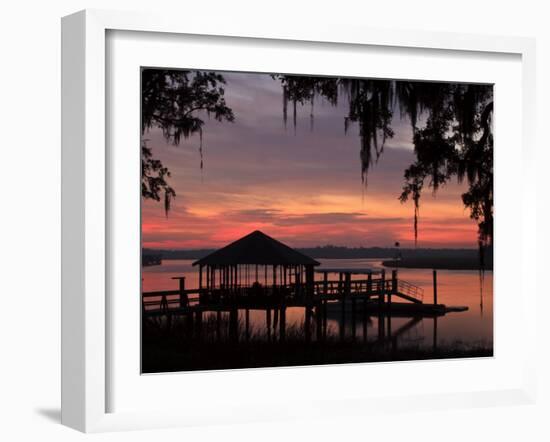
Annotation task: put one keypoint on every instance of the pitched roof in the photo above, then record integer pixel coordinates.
(256, 248)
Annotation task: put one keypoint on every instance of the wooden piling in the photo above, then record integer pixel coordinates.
(247, 324)
(318, 320)
(435, 334)
(268, 323)
(365, 323)
(369, 285)
(393, 286)
(325, 319)
(184, 301)
(347, 285)
(353, 318)
(282, 330)
(307, 323)
(435, 286)
(310, 284)
(234, 324)
(381, 327)
(382, 287)
(275, 319)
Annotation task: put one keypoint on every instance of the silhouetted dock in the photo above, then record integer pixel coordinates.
(260, 273)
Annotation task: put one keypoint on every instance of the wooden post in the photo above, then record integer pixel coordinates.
(369, 285)
(163, 304)
(318, 320)
(365, 324)
(393, 285)
(347, 285)
(325, 283)
(307, 322)
(353, 319)
(282, 330)
(310, 284)
(382, 286)
(247, 324)
(325, 319)
(435, 334)
(234, 324)
(309, 300)
(435, 286)
(268, 323)
(184, 301)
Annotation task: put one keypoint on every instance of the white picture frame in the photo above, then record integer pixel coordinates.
(85, 201)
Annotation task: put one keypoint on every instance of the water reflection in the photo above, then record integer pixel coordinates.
(455, 287)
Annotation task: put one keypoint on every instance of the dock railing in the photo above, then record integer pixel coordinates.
(170, 300)
(411, 290)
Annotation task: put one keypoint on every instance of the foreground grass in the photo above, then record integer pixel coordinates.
(176, 350)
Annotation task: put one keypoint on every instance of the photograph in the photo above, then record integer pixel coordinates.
(262, 221)
(299, 220)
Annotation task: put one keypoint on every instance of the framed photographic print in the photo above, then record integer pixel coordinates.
(290, 243)
(257, 215)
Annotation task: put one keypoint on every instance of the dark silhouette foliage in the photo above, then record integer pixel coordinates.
(175, 101)
(451, 123)
(454, 140)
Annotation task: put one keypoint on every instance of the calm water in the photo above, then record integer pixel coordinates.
(455, 287)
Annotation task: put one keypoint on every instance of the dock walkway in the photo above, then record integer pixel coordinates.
(373, 294)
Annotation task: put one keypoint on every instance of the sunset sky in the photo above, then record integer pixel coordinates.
(302, 187)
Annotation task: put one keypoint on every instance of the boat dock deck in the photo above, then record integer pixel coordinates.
(374, 295)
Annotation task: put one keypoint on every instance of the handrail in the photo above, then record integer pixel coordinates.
(411, 290)
(320, 288)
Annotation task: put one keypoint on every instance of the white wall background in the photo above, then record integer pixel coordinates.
(30, 213)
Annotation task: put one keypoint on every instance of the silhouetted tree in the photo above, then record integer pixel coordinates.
(455, 139)
(174, 101)
(153, 178)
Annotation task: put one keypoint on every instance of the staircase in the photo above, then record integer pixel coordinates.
(410, 292)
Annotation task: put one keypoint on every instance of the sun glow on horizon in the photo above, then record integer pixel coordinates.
(303, 188)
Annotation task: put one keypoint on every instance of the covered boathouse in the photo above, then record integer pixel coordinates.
(256, 266)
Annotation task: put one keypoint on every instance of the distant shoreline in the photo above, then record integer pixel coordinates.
(437, 264)
(444, 259)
